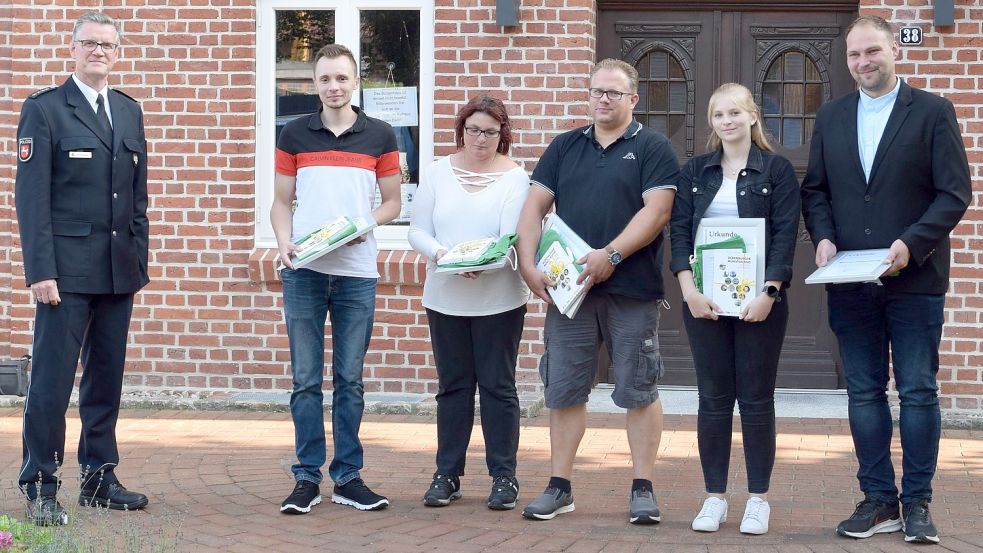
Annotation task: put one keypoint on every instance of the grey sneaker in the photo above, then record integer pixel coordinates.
(642, 508)
(46, 511)
(552, 502)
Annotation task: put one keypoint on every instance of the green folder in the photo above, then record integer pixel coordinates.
(733, 243)
(550, 236)
(492, 254)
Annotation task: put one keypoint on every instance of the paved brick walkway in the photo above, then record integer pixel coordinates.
(220, 476)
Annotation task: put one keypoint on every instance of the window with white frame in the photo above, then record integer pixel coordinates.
(393, 41)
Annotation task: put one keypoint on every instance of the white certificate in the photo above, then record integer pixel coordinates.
(852, 266)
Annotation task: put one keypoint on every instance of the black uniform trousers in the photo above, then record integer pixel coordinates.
(94, 326)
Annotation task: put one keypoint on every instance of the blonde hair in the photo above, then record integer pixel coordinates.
(612, 64)
(744, 100)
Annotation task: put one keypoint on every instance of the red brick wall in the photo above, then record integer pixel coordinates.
(208, 322)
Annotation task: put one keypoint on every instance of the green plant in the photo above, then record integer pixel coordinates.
(95, 530)
(24, 534)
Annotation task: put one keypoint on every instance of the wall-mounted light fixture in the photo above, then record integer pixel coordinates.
(507, 12)
(944, 13)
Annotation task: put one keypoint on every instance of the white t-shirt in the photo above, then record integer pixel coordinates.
(445, 214)
(724, 204)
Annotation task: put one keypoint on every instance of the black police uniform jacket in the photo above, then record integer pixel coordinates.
(81, 194)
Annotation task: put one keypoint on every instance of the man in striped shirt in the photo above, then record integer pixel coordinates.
(331, 162)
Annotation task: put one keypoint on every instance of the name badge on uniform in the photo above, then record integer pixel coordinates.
(80, 154)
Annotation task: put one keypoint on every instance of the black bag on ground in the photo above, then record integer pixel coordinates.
(13, 377)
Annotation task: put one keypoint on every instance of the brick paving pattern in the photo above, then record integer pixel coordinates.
(220, 476)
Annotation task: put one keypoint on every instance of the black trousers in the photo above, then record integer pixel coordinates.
(477, 353)
(94, 326)
(737, 361)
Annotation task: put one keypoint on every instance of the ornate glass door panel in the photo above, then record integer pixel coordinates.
(793, 60)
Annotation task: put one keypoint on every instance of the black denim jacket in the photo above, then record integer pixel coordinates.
(766, 188)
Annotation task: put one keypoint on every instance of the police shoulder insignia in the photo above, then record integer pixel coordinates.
(25, 149)
(43, 91)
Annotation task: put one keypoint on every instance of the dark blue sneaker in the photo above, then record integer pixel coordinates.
(918, 527)
(356, 494)
(306, 495)
(871, 517)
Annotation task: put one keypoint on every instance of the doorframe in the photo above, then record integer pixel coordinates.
(731, 5)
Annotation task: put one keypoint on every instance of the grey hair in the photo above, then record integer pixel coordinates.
(98, 18)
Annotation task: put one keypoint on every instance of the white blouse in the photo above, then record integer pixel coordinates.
(445, 214)
(724, 204)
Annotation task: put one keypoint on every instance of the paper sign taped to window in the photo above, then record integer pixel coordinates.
(396, 106)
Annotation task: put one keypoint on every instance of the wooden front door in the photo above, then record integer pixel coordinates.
(794, 60)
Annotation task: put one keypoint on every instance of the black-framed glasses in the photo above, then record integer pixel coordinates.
(90, 45)
(489, 133)
(613, 95)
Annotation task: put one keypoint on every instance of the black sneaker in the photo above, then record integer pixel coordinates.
(46, 511)
(918, 527)
(871, 517)
(504, 491)
(443, 489)
(306, 494)
(356, 494)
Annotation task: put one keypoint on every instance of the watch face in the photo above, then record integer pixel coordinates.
(615, 258)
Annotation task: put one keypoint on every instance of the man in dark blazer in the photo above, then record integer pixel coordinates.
(81, 200)
(888, 169)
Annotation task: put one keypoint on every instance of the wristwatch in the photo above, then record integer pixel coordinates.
(614, 257)
(771, 291)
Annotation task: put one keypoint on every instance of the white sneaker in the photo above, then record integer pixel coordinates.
(714, 512)
(756, 516)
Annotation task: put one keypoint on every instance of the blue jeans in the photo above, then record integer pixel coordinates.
(308, 297)
(874, 325)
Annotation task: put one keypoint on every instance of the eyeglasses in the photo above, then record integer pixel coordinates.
(613, 95)
(489, 133)
(90, 45)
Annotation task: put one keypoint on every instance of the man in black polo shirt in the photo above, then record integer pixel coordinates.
(613, 183)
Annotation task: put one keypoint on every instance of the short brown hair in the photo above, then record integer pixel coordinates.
(628, 69)
(878, 23)
(332, 51)
(494, 108)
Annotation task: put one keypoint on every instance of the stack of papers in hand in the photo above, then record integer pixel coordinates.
(559, 249)
(330, 237)
(481, 254)
(467, 252)
(729, 260)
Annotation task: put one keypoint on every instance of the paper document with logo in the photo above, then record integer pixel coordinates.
(559, 249)
(330, 237)
(730, 278)
(728, 260)
(483, 254)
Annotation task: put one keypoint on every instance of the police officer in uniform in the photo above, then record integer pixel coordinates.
(81, 199)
